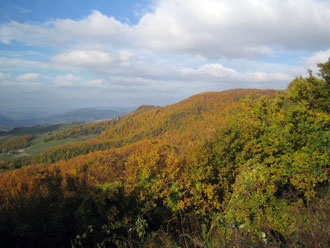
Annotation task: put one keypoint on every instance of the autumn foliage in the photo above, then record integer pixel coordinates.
(15, 143)
(238, 168)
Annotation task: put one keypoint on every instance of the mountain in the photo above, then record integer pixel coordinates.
(5, 121)
(81, 115)
(198, 117)
(238, 168)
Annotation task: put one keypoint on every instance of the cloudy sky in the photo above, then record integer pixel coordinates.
(100, 53)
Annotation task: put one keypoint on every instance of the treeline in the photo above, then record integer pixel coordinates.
(15, 143)
(261, 179)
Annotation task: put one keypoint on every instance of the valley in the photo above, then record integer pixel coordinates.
(242, 167)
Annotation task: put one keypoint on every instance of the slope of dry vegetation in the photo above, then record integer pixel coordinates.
(239, 168)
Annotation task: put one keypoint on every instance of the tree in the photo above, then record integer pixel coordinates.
(325, 71)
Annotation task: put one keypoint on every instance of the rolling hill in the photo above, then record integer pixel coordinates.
(199, 116)
(238, 168)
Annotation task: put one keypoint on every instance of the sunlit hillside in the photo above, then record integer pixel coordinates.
(237, 168)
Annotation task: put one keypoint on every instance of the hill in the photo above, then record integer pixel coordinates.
(81, 115)
(197, 117)
(5, 122)
(238, 168)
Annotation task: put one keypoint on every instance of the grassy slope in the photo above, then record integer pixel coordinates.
(38, 145)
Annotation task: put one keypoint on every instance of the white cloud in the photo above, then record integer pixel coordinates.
(66, 80)
(107, 72)
(83, 58)
(19, 64)
(28, 76)
(68, 77)
(316, 58)
(217, 71)
(235, 28)
(94, 28)
(218, 77)
(212, 28)
(99, 59)
(96, 82)
(120, 83)
(176, 49)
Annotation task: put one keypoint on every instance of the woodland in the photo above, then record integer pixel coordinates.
(237, 168)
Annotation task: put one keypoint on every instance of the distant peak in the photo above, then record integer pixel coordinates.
(146, 107)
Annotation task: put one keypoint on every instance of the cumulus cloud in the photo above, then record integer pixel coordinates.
(98, 60)
(219, 77)
(94, 28)
(176, 49)
(212, 28)
(106, 72)
(316, 58)
(236, 28)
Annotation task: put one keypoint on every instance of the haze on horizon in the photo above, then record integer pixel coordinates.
(72, 54)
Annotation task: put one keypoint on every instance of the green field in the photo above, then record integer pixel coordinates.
(39, 146)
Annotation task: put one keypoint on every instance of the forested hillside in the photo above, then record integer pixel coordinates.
(195, 118)
(238, 168)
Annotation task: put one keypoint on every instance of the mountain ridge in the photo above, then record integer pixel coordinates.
(80, 115)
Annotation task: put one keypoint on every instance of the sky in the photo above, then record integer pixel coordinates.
(68, 54)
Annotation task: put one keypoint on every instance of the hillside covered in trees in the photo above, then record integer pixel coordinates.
(238, 168)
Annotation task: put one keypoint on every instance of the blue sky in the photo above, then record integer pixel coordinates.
(43, 10)
(72, 54)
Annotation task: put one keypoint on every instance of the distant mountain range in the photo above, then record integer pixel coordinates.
(9, 120)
